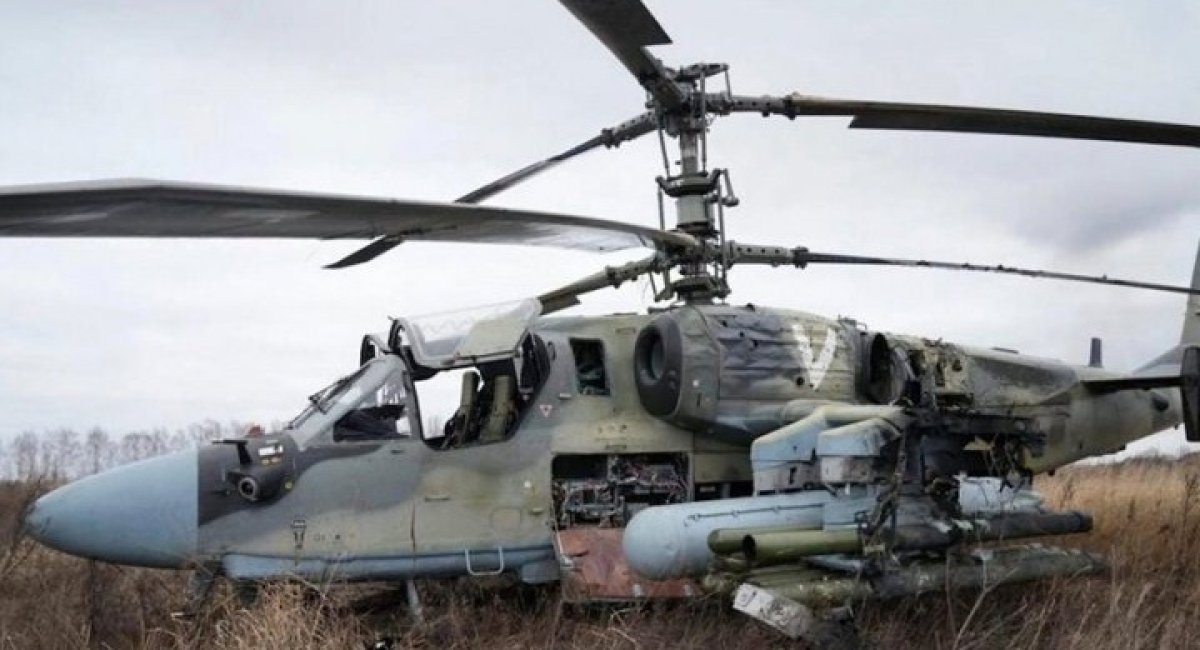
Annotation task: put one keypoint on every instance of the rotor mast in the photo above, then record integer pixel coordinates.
(700, 195)
(680, 107)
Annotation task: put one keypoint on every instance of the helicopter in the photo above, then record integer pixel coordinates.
(584, 448)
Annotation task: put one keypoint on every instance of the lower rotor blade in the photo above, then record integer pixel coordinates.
(963, 119)
(803, 257)
(611, 276)
(166, 209)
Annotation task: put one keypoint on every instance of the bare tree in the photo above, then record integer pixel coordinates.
(100, 450)
(64, 454)
(25, 453)
(66, 451)
(15, 544)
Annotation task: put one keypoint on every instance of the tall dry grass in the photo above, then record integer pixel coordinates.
(1147, 524)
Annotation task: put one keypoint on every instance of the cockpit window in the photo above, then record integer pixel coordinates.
(590, 373)
(381, 413)
(370, 404)
(324, 398)
(320, 401)
(482, 404)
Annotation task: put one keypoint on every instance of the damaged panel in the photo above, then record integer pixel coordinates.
(594, 569)
(780, 356)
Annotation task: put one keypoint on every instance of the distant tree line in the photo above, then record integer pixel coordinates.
(58, 455)
(65, 454)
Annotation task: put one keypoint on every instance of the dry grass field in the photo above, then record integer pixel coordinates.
(1147, 524)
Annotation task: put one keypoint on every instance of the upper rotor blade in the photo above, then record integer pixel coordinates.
(367, 253)
(635, 128)
(626, 27)
(146, 208)
(964, 119)
(802, 257)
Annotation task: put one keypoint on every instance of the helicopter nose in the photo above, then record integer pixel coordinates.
(142, 514)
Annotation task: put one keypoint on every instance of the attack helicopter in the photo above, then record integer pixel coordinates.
(797, 461)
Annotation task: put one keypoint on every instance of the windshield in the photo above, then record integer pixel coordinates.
(370, 404)
(320, 401)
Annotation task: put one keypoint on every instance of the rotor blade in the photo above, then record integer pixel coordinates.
(367, 253)
(611, 276)
(626, 27)
(144, 208)
(629, 130)
(802, 257)
(739, 253)
(637, 127)
(964, 119)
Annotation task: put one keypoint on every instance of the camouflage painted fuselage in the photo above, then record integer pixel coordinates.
(401, 508)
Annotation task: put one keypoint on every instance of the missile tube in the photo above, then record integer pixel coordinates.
(1021, 564)
(779, 546)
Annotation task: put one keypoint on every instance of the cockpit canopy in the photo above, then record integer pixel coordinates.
(372, 403)
(487, 348)
(466, 337)
(476, 370)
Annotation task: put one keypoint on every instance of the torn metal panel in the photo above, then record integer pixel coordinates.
(594, 569)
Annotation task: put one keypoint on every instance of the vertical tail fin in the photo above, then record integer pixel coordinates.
(1191, 319)
(1189, 387)
(1168, 362)
(1179, 366)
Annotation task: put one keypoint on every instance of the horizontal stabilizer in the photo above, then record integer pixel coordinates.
(1187, 380)
(1102, 386)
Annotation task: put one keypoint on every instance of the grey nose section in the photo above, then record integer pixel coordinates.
(142, 514)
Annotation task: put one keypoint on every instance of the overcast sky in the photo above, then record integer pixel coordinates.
(427, 100)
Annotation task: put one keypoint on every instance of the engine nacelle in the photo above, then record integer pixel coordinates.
(738, 372)
(677, 366)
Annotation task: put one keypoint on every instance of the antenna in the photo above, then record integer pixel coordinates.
(1096, 356)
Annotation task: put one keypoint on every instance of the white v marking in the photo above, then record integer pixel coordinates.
(816, 366)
